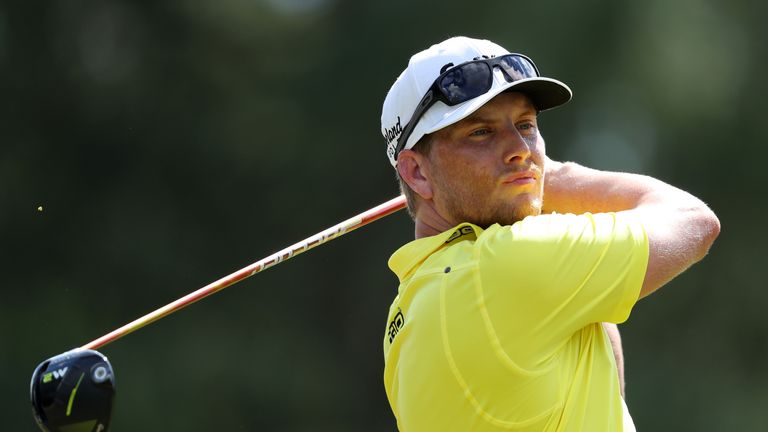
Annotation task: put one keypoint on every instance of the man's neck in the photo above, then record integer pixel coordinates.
(429, 222)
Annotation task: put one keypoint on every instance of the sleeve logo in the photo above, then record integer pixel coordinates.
(395, 325)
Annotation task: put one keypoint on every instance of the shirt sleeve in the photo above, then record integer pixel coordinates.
(558, 273)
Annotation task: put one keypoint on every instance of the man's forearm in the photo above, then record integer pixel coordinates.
(573, 188)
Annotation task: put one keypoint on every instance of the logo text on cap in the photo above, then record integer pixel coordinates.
(391, 134)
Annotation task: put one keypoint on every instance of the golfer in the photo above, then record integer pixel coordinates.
(518, 259)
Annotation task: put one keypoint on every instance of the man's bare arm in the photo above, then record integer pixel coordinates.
(680, 227)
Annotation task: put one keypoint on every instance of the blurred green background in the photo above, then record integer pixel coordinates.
(171, 143)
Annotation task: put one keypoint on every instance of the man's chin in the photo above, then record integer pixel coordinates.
(522, 210)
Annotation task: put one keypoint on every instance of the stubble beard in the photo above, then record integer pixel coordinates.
(466, 206)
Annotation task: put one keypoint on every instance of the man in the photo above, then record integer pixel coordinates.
(518, 259)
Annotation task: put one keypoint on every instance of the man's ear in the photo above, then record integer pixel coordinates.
(414, 170)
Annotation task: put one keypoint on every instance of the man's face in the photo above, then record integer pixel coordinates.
(489, 167)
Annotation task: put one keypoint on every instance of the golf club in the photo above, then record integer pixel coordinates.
(74, 391)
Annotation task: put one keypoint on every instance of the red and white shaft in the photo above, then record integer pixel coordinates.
(331, 233)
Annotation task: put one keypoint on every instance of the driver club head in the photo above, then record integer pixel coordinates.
(73, 392)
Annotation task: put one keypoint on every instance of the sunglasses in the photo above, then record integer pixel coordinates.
(465, 82)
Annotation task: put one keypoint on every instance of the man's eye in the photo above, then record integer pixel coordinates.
(527, 127)
(480, 132)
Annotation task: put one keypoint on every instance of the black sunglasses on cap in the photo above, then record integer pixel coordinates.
(467, 81)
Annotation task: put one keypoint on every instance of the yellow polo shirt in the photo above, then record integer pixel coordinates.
(499, 329)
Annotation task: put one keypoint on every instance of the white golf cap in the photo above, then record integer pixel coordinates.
(422, 71)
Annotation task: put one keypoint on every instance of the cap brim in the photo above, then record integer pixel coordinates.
(545, 93)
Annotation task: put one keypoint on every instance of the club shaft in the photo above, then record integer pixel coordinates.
(331, 233)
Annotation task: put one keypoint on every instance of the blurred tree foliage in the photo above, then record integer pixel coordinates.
(170, 143)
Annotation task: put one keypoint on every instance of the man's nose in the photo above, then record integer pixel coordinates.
(515, 147)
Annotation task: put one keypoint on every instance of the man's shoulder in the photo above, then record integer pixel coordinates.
(556, 233)
(539, 226)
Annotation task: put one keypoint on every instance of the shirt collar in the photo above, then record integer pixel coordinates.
(408, 258)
